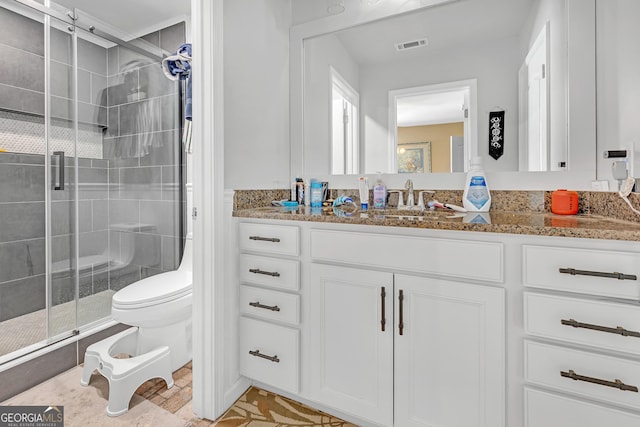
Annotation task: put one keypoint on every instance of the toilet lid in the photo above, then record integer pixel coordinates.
(154, 290)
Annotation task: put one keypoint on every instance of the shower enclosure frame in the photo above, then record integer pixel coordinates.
(50, 182)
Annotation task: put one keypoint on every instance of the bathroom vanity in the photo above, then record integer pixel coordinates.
(404, 320)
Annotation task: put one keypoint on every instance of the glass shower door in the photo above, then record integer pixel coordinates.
(91, 170)
(62, 132)
(37, 181)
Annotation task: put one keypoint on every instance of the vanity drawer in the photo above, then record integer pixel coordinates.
(274, 272)
(595, 271)
(481, 260)
(595, 374)
(270, 305)
(581, 321)
(270, 239)
(269, 353)
(544, 409)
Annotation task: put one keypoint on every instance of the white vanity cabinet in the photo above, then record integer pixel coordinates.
(269, 273)
(400, 326)
(450, 354)
(406, 349)
(351, 340)
(582, 348)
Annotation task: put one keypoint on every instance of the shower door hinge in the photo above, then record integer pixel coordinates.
(194, 213)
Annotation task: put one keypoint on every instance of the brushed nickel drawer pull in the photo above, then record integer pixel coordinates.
(257, 353)
(615, 383)
(265, 239)
(614, 275)
(383, 318)
(266, 273)
(401, 312)
(266, 307)
(619, 330)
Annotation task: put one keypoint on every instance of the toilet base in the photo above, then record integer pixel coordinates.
(125, 375)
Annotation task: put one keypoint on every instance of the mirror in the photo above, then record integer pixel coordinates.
(618, 87)
(378, 62)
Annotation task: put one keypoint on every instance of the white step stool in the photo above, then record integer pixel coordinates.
(125, 375)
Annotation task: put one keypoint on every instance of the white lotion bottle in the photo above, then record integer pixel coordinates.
(476, 197)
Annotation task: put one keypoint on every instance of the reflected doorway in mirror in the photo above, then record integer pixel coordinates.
(535, 153)
(444, 109)
(345, 101)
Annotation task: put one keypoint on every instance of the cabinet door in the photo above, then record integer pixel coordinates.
(450, 355)
(351, 353)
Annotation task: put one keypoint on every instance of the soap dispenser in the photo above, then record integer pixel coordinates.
(476, 197)
(379, 194)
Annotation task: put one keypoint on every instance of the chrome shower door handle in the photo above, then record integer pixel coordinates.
(59, 181)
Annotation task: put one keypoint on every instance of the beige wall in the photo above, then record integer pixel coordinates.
(439, 135)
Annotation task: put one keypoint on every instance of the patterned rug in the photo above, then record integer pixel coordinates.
(260, 408)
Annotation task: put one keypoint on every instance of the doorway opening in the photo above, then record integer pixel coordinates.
(345, 102)
(441, 117)
(533, 87)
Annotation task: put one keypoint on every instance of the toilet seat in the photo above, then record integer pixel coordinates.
(165, 287)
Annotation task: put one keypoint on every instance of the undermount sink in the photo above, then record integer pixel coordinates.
(414, 214)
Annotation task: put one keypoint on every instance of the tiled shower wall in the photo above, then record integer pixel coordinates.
(142, 142)
(22, 242)
(129, 186)
(22, 97)
(22, 232)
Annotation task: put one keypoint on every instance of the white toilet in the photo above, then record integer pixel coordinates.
(159, 310)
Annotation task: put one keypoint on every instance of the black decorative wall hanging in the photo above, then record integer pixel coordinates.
(496, 134)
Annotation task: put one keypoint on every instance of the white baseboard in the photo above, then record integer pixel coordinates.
(234, 392)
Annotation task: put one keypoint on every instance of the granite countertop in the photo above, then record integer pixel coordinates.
(528, 223)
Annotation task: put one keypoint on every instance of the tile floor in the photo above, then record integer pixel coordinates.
(155, 405)
(152, 405)
(28, 329)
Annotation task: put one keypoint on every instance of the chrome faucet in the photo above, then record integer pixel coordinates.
(409, 187)
(421, 198)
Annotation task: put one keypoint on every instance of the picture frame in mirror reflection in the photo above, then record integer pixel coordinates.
(414, 157)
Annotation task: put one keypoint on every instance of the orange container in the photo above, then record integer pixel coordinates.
(564, 202)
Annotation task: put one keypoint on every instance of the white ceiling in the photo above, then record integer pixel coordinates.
(445, 26)
(134, 17)
(427, 109)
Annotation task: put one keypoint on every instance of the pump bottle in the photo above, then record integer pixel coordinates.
(379, 193)
(476, 197)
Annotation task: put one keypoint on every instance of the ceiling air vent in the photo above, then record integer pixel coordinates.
(411, 44)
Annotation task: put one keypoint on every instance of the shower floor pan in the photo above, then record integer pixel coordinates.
(29, 329)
